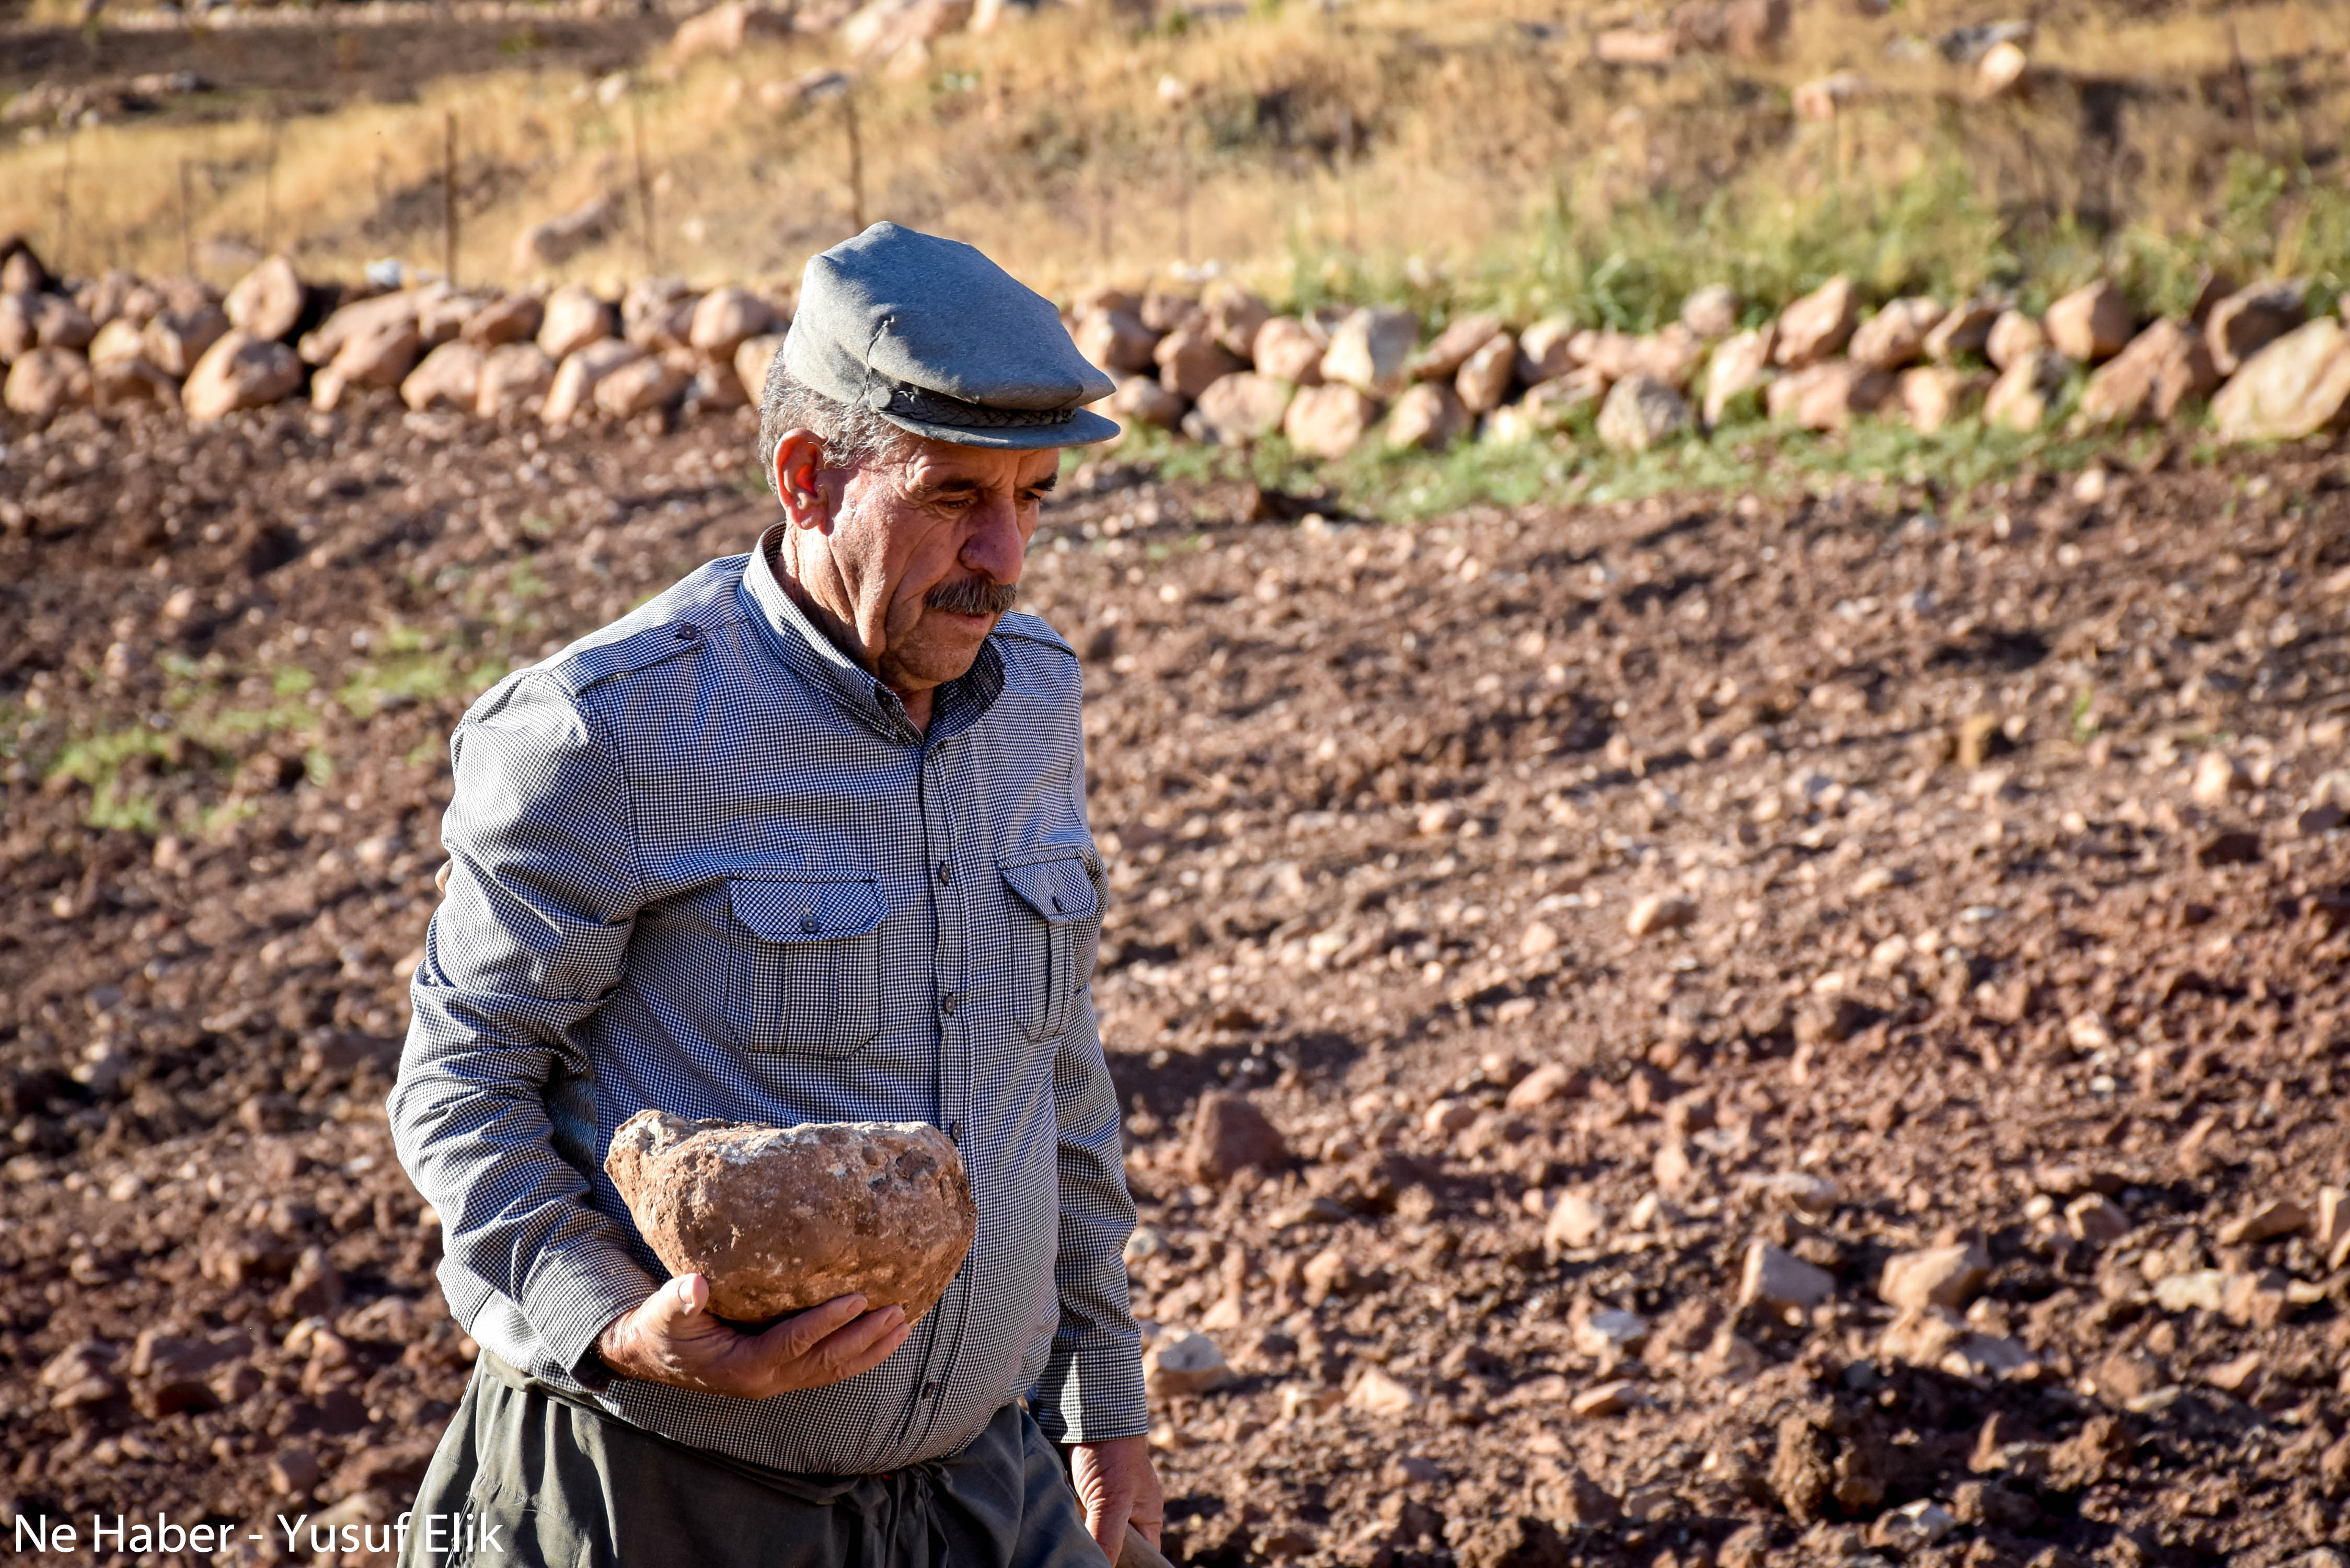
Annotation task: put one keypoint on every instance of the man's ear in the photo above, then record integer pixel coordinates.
(798, 470)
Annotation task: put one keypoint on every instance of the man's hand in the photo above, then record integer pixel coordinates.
(670, 1339)
(1114, 1483)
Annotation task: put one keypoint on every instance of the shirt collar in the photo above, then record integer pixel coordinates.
(955, 707)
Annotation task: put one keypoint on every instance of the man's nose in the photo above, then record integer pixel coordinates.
(994, 547)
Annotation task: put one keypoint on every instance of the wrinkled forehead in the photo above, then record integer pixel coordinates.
(935, 465)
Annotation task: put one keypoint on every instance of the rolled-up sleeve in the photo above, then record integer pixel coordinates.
(1091, 1390)
(543, 888)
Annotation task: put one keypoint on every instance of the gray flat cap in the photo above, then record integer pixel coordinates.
(938, 340)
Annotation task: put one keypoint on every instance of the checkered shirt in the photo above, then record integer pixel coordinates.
(702, 862)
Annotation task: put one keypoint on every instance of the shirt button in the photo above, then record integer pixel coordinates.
(947, 1003)
(946, 873)
(1056, 903)
(808, 923)
(930, 1390)
(954, 1133)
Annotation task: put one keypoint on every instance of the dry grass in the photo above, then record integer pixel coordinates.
(1470, 151)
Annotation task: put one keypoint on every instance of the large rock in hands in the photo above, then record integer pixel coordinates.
(785, 1218)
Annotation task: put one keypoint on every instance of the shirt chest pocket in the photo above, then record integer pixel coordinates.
(804, 963)
(1056, 931)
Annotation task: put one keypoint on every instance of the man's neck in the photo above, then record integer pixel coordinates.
(842, 636)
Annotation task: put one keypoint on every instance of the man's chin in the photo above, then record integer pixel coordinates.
(949, 644)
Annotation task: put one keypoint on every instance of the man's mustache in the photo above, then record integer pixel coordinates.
(973, 595)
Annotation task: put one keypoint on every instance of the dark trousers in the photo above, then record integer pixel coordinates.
(527, 1478)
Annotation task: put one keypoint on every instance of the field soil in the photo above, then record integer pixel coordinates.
(1640, 924)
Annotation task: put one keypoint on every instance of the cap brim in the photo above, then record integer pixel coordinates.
(1082, 429)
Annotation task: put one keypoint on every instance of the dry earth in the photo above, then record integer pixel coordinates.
(1940, 942)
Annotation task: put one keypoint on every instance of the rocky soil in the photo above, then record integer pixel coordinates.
(1796, 1030)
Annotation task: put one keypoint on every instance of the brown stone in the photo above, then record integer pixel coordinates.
(1934, 395)
(1550, 404)
(2013, 336)
(1634, 46)
(1163, 310)
(726, 318)
(1671, 356)
(1550, 1081)
(2278, 1217)
(1740, 363)
(1142, 400)
(176, 1373)
(1641, 412)
(1429, 416)
(1482, 381)
(1934, 1276)
(657, 313)
(2090, 324)
(357, 320)
(450, 374)
(382, 358)
(176, 339)
(117, 340)
(1369, 351)
(2163, 367)
(1817, 325)
(574, 389)
(753, 360)
(509, 318)
(1826, 397)
(2243, 323)
(115, 383)
(785, 1218)
(1450, 348)
(574, 319)
(1571, 1499)
(2018, 400)
(2295, 387)
(1778, 1278)
(1286, 349)
(441, 316)
(1328, 421)
(109, 297)
(723, 29)
(1190, 361)
(1228, 1135)
(1896, 334)
(1117, 341)
(512, 374)
(29, 321)
(1545, 350)
(1234, 315)
(239, 371)
(267, 301)
(651, 381)
(1964, 330)
(1239, 409)
(47, 381)
(712, 387)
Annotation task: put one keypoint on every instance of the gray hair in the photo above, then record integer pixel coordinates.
(852, 437)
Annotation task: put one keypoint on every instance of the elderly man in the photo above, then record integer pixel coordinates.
(802, 839)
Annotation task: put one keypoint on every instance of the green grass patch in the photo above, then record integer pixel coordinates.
(1750, 456)
(1629, 264)
(116, 765)
(424, 675)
